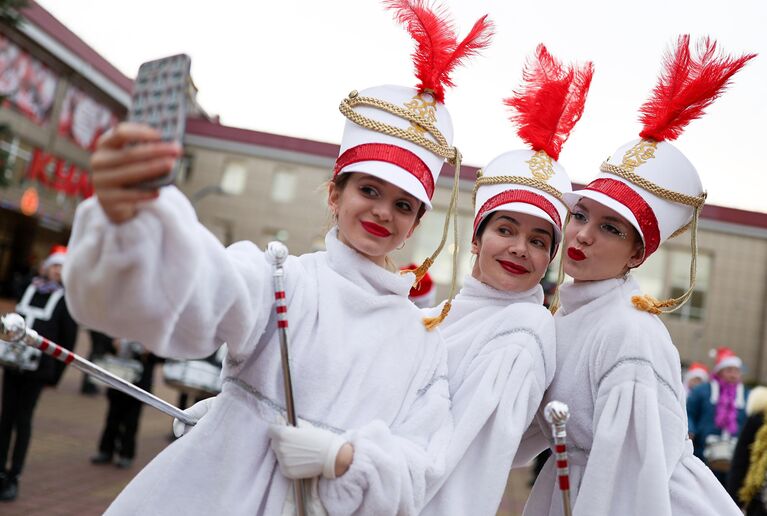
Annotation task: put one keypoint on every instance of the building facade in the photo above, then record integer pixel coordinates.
(250, 185)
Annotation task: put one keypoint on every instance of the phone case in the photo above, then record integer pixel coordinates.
(159, 99)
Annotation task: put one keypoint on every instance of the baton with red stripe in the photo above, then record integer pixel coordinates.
(14, 329)
(276, 254)
(557, 414)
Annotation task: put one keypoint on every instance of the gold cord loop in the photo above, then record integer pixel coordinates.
(441, 148)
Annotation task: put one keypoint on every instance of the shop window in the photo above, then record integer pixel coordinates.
(284, 184)
(235, 177)
(666, 274)
(426, 239)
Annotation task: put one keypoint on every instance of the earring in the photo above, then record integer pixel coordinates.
(401, 246)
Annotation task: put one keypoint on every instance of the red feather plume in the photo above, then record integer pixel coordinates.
(551, 101)
(437, 51)
(687, 86)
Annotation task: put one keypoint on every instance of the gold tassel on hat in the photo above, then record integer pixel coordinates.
(654, 306)
(452, 209)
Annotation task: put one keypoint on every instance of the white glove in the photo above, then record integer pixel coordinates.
(305, 452)
(196, 411)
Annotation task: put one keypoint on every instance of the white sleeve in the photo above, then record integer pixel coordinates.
(164, 280)
(393, 467)
(638, 439)
(493, 405)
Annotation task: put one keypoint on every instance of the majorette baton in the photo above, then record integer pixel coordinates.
(14, 329)
(557, 414)
(276, 254)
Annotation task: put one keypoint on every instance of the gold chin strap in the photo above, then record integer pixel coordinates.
(438, 146)
(646, 302)
(554, 306)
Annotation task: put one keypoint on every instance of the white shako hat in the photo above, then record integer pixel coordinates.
(400, 134)
(400, 162)
(649, 181)
(545, 111)
(404, 135)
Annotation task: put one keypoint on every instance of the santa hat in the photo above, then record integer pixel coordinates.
(57, 256)
(545, 111)
(424, 294)
(649, 181)
(696, 370)
(404, 135)
(725, 357)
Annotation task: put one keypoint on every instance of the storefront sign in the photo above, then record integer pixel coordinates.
(57, 174)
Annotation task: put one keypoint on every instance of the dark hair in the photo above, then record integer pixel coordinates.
(341, 180)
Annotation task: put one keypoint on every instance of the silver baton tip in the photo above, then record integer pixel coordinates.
(276, 252)
(12, 327)
(556, 412)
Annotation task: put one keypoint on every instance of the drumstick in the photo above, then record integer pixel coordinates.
(276, 254)
(557, 414)
(14, 329)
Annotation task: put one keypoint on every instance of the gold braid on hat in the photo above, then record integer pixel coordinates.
(439, 147)
(647, 302)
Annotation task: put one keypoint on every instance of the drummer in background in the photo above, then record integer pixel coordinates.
(45, 311)
(119, 435)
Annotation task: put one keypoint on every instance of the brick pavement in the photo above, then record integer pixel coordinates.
(59, 480)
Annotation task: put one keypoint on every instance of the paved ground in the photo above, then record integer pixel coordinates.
(59, 479)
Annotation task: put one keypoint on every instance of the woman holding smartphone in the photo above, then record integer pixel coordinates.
(369, 379)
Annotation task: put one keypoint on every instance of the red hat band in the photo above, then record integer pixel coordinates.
(525, 196)
(392, 154)
(642, 211)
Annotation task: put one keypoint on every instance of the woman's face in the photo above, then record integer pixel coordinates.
(599, 243)
(374, 217)
(512, 251)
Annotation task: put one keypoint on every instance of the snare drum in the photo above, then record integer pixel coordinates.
(126, 368)
(193, 376)
(719, 451)
(19, 356)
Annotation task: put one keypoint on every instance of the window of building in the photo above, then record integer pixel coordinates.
(234, 178)
(666, 274)
(284, 183)
(427, 237)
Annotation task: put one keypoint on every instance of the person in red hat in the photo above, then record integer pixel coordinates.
(617, 368)
(45, 311)
(424, 294)
(369, 379)
(695, 375)
(716, 411)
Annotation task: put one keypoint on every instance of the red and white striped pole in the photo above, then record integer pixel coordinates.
(557, 414)
(14, 329)
(277, 253)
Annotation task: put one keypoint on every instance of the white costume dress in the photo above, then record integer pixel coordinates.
(619, 373)
(500, 360)
(363, 364)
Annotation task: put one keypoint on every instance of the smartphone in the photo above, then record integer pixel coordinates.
(159, 99)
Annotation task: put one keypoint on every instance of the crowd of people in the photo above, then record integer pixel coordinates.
(408, 410)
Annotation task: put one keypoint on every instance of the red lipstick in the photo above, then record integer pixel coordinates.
(375, 230)
(513, 267)
(575, 254)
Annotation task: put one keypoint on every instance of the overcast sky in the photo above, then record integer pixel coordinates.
(284, 66)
